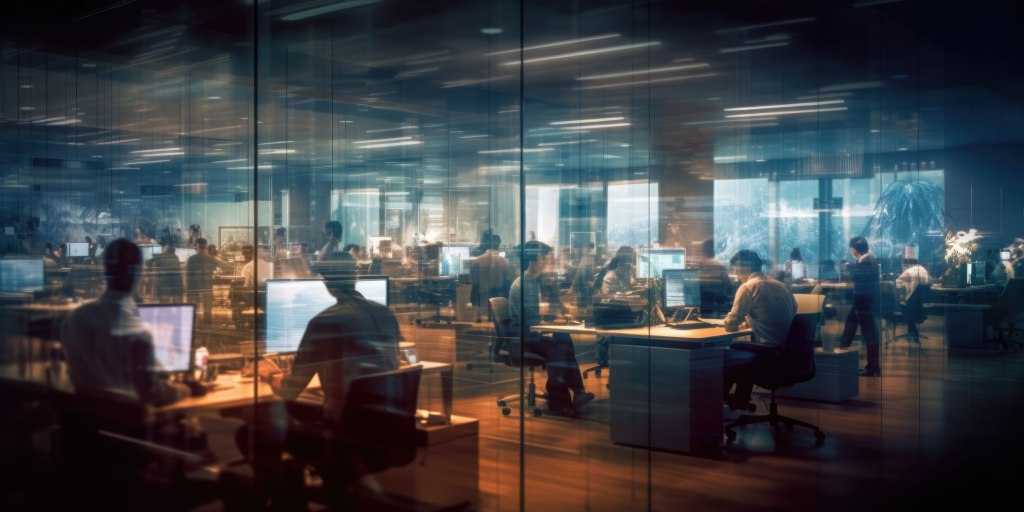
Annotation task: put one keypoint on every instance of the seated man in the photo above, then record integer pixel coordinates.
(908, 282)
(524, 300)
(766, 307)
(108, 349)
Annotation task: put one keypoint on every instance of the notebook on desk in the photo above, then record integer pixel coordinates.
(690, 324)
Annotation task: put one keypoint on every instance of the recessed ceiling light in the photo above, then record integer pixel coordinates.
(491, 31)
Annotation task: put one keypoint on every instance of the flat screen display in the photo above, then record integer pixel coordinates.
(172, 327)
(291, 304)
(184, 253)
(21, 275)
(682, 288)
(452, 259)
(652, 262)
(374, 288)
(1004, 255)
(78, 249)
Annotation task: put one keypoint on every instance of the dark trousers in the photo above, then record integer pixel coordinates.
(865, 319)
(742, 364)
(563, 370)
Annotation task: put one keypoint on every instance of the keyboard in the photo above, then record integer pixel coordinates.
(690, 324)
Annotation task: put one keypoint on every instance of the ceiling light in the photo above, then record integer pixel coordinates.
(789, 112)
(556, 43)
(491, 31)
(582, 121)
(735, 49)
(642, 71)
(584, 53)
(326, 9)
(786, 105)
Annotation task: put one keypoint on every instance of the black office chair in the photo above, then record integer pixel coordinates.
(911, 312)
(796, 365)
(437, 293)
(508, 350)
(1005, 310)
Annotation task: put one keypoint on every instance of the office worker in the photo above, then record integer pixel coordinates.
(332, 249)
(865, 275)
(490, 274)
(199, 271)
(620, 278)
(795, 268)
(524, 299)
(166, 271)
(767, 308)
(92, 249)
(108, 349)
(582, 282)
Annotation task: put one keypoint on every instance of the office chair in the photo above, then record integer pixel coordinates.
(1005, 309)
(910, 312)
(810, 304)
(376, 431)
(437, 292)
(796, 365)
(509, 351)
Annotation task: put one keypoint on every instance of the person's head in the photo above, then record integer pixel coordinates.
(333, 230)
(212, 249)
(795, 254)
(744, 263)
(535, 256)
(708, 248)
(88, 239)
(247, 253)
(49, 247)
(280, 232)
(622, 265)
(202, 245)
(858, 246)
(491, 242)
(122, 262)
(340, 276)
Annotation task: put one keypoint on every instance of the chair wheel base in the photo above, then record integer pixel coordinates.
(506, 411)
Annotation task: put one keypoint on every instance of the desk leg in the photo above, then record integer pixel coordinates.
(447, 381)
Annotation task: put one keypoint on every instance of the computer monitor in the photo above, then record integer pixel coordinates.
(78, 249)
(1004, 255)
(158, 249)
(652, 262)
(21, 275)
(374, 288)
(148, 251)
(682, 288)
(172, 328)
(184, 253)
(373, 245)
(291, 304)
(452, 258)
(798, 270)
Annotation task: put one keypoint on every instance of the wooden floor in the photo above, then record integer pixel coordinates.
(939, 428)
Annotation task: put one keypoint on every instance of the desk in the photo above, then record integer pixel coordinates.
(968, 294)
(963, 325)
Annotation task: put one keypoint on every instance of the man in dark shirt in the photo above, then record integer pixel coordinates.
(865, 275)
(166, 270)
(199, 276)
(490, 274)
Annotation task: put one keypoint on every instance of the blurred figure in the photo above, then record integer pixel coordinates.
(865, 274)
(166, 272)
(583, 282)
(767, 308)
(490, 275)
(795, 268)
(715, 284)
(92, 250)
(51, 257)
(332, 249)
(621, 276)
(353, 250)
(109, 350)
(199, 271)
(280, 243)
(524, 299)
(913, 276)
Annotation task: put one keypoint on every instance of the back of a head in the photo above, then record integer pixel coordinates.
(334, 228)
(708, 248)
(121, 261)
(491, 241)
(534, 251)
(201, 244)
(795, 254)
(860, 244)
(746, 260)
(339, 275)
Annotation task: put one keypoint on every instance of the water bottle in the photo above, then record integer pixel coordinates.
(202, 358)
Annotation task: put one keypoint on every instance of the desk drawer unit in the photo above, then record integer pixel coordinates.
(835, 380)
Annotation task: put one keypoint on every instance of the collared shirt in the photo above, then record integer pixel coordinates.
(110, 351)
(911, 278)
(524, 301)
(613, 284)
(256, 271)
(491, 276)
(767, 307)
(351, 338)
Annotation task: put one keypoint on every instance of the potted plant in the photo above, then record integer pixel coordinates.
(959, 248)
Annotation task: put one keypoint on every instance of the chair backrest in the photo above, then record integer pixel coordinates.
(807, 303)
(915, 303)
(500, 316)
(887, 301)
(380, 419)
(796, 364)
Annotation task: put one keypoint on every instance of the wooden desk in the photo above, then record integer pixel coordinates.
(968, 294)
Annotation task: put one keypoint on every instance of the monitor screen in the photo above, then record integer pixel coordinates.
(798, 269)
(682, 288)
(158, 249)
(78, 249)
(374, 288)
(21, 275)
(1004, 255)
(184, 253)
(171, 326)
(148, 251)
(373, 245)
(291, 304)
(652, 262)
(452, 258)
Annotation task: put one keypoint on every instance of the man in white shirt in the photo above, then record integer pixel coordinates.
(109, 351)
(908, 282)
(767, 307)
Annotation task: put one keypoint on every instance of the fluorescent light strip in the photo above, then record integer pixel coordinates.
(789, 112)
(644, 82)
(556, 43)
(479, 136)
(403, 127)
(514, 150)
(765, 25)
(392, 144)
(120, 141)
(169, 153)
(566, 142)
(584, 53)
(327, 9)
(247, 167)
(463, 83)
(582, 121)
(718, 121)
(735, 49)
(276, 151)
(270, 143)
(592, 126)
(374, 141)
(144, 162)
(64, 122)
(155, 150)
(820, 96)
(230, 161)
(664, 69)
(786, 105)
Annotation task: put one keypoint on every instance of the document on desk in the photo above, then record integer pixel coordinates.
(718, 322)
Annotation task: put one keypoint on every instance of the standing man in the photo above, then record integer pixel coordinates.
(524, 300)
(766, 306)
(866, 275)
(199, 277)
(490, 274)
(167, 275)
